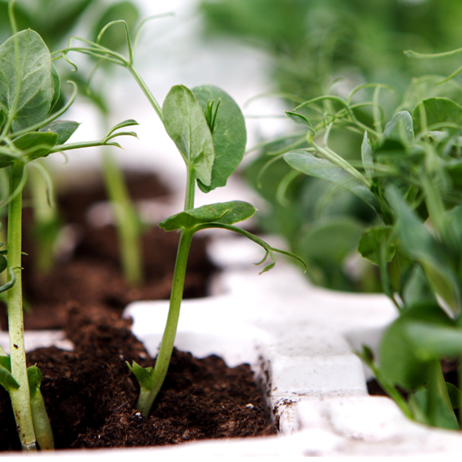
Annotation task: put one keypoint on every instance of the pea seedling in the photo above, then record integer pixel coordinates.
(29, 130)
(409, 175)
(209, 132)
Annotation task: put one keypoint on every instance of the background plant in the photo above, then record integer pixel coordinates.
(54, 21)
(330, 47)
(407, 174)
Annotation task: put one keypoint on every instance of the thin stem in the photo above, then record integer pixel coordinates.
(146, 398)
(190, 189)
(146, 91)
(126, 220)
(20, 398)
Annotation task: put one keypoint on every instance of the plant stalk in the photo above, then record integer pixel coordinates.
(20, 398)
(128, 226)
(147, 397)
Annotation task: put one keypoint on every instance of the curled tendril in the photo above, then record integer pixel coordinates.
(8, 285)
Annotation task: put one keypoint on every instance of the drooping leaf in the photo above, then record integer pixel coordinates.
(437, 111)
(419, 244)
(36, 144)
(186, 125)
(36, 91)
(372, 241)
(7, 381)
(224, 212)
(229, 135)
(63, 128)
(310, 165)
(400, 128)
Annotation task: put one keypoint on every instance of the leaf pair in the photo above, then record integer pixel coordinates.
(211, 156)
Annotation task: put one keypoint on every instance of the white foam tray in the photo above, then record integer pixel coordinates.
(299, 340)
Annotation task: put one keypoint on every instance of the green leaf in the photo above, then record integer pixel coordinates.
(3, 263)
(42, 426)
(308, 164)
(443, 415)
(367, 157)
(299, 119)
(419, 335)
(36, 92)
(63, 128)
(7, 381)
(56, 86)
(241, 211)
(186, 125)
(455, 395)
(437, 111)
(144, 375)
(35, 379)
(416, 241)
(372, 241)
(229, 135)
(224, 212)
(400, 128)
(36, 144)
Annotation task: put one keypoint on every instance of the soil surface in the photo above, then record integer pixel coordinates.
(93, 274)
(90, 393)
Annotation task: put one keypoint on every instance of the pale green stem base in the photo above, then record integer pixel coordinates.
(20, 398)
(147, 397)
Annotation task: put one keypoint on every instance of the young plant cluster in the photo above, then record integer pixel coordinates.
(209, 131)
(30, 129)
(408, 174)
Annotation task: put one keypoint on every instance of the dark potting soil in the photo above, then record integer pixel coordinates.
(93, 275)
(90, 393)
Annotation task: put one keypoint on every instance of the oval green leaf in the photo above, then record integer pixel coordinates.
(229, 135)
(63, 128)
(186, 125)
(223, 212)
(37, 89)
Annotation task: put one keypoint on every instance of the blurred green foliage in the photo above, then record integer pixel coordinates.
(320, 47)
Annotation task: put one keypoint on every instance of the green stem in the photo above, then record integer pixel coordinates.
(46, 224)
(145, 90)
(20, 398)
(147, 397)
(127, 223)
